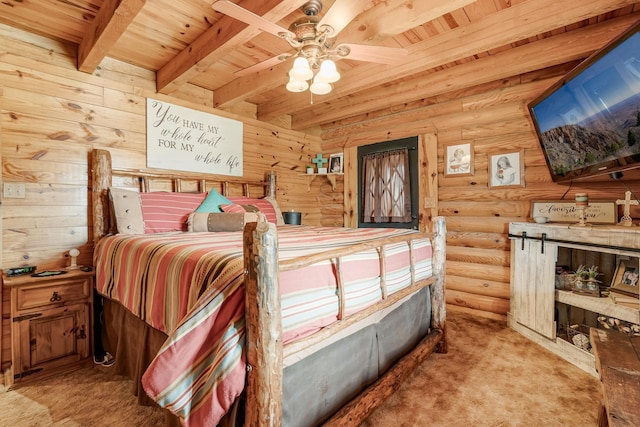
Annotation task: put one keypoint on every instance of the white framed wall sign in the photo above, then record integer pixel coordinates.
(180, 138)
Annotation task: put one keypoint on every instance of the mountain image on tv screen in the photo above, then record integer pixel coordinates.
(592, 121)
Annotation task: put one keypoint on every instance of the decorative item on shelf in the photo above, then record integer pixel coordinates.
(73, 254)
(541, 219)
(625, 220)
(578, 335)
(586, 282)
(320, 162)
(582, 204)
(335, 163)
(627, 328)
(564, 278)
(565, 211)
(625, 285)
(310, 169)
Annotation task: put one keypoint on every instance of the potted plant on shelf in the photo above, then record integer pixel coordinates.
(310, 169)
(586, 280)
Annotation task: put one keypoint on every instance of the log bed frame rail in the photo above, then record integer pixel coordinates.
(265, 351)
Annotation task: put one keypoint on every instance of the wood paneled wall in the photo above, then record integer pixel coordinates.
(53, 115)
(491, 113)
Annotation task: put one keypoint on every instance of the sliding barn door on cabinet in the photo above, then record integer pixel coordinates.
(532, 284)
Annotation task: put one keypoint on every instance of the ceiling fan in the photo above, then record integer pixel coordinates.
(314, 42)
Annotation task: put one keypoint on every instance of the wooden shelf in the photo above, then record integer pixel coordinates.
(330, 176)
(602, 305)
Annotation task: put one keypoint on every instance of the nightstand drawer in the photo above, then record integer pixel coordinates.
(61, 292)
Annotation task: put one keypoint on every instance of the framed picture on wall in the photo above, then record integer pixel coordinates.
(506, 169)
(458, 159)
(625, 279)
(335, 163)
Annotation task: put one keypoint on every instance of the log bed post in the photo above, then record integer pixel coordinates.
(263, 326)
(438, 298)
(100, 184)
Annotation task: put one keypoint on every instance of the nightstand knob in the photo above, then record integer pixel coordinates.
(55, 297)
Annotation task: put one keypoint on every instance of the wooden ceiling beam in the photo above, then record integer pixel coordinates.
(221, 38)
(395, 17)
(405, 14)
(516, 23)
(109, 24)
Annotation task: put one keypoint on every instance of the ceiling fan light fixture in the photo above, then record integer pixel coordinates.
(301, 70)
(297, 85)
(320, 88)
(328, 72)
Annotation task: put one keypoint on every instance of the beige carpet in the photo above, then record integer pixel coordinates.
(491, 376)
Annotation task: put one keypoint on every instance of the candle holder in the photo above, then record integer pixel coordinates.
(582, 204)
(582, 214)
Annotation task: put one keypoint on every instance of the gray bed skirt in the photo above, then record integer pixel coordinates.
(320, 384)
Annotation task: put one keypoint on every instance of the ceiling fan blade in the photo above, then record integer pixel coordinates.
(263, 65)
(380, 54)
(248, 17)
(342, 12)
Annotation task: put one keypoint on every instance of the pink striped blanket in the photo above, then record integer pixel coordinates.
(190, 286)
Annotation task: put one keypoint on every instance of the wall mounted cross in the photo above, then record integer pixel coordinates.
(627, 202)
(319, 161)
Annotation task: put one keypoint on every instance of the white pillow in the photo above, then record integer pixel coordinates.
(127, 211)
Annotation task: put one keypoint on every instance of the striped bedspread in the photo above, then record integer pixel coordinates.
(190, 286)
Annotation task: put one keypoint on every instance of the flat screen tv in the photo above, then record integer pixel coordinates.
(588, 123)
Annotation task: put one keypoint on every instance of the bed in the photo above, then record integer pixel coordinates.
(262, 323)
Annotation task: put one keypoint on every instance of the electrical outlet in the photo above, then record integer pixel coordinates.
(14, 190)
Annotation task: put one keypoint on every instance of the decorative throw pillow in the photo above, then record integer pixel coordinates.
(219, 221)
(127, 211)
(236, 208)
(166, 211)
(212, 202)
(268, 206)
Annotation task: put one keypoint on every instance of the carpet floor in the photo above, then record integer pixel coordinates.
(491, 376)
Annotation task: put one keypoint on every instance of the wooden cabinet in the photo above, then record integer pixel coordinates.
(535, 303)
(50, 323)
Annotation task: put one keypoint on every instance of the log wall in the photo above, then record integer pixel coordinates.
(485, 105)
(53, 115)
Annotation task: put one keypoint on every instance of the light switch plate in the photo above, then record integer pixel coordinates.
(14, 190)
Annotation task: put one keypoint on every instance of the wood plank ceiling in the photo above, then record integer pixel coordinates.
(186, 41)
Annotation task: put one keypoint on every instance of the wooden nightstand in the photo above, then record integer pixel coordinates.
(50, 323)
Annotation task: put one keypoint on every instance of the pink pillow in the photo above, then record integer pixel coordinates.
(266, 206)
(166, 211)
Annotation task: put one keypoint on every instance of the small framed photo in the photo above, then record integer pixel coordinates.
(506, 169)
(458, 159)
(625, 279)
(336, 163)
